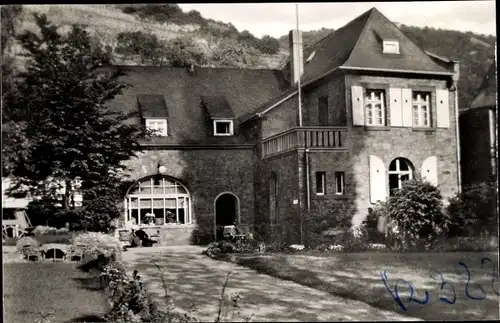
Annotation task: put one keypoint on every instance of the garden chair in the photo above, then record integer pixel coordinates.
(76, 253)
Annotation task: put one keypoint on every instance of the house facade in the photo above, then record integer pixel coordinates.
(246, 146)
(478, 134)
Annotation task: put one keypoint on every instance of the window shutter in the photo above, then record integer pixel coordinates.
(407, 107)
(429, 170)
(377, 179)
(358, 111)
(396, 107)
(442, 108)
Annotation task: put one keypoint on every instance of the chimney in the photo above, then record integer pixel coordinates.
(296, 55)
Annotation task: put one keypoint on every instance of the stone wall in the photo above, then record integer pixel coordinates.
(389, 143)
(475, 143)
(206, 174)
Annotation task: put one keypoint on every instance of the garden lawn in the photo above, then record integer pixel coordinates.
(357, 276)
(32, 290)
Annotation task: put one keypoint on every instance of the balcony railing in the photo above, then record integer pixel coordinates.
(304, 137)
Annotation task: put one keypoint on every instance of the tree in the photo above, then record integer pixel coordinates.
(182, 52)
(145, 45)
(8, 17)
(269, 45)
(59, 129)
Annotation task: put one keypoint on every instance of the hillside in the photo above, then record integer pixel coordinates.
(178, 38)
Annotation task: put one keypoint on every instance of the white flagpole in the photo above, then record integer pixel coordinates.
(300, 63)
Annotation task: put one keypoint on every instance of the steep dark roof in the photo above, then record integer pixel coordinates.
(367, 53)
(217, 106)
(152, 106)
(358, 45)
(243, 89)
(487, 93)
(334, 49)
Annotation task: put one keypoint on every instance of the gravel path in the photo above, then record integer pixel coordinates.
(195, 283)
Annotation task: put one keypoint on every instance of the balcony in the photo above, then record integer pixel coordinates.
(324, 138)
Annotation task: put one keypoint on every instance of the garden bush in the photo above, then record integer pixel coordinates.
(97, 243)
(26, 241)
(97, 216)
(474, 211)
(417, 211)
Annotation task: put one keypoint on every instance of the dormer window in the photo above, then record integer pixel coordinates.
(159, 126)
(219, 111)
(154, 113)
(391, 47)
(223, 128)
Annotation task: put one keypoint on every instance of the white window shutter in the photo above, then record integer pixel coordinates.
(396, 107)
(443, 108)
(429, 170)
(358, 111)
(406, 107)
(377, 179)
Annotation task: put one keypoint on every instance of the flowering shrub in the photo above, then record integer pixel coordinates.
(377, 246)
(130, 302)
(336, 247)
(417, 209)
(43, 229)
(296, 247)
(27, 241)
(96, 243)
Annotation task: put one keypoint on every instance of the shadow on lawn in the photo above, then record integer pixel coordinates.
(195, 279)
(90, 283)
(362, 282)
(87, 318)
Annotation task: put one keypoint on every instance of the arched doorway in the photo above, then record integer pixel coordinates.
(400, 170)
(273, 199)
(227, 209)
(158, 199)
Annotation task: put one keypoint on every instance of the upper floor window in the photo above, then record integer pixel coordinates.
(158, 125)
(223, 128)
(374, 108)
(421, 109)
(391, 47)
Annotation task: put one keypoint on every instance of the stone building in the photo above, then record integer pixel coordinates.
(235, 145)
(478, 134)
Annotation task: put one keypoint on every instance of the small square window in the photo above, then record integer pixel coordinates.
(320, 183)
(158, 125)
(339, 183)
(391, 47)
(223, 127)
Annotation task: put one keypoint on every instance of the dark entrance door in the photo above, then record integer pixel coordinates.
(226, 210)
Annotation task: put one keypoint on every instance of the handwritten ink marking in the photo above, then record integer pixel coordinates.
(395, 295)
(461, 263)
(444, 283)
(494, 274)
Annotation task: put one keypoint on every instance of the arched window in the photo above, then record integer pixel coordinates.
(400, 170)
(158, 199)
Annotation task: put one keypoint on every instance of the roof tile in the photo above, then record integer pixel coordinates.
(243, 89)
(217, 106)
(152, 106)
